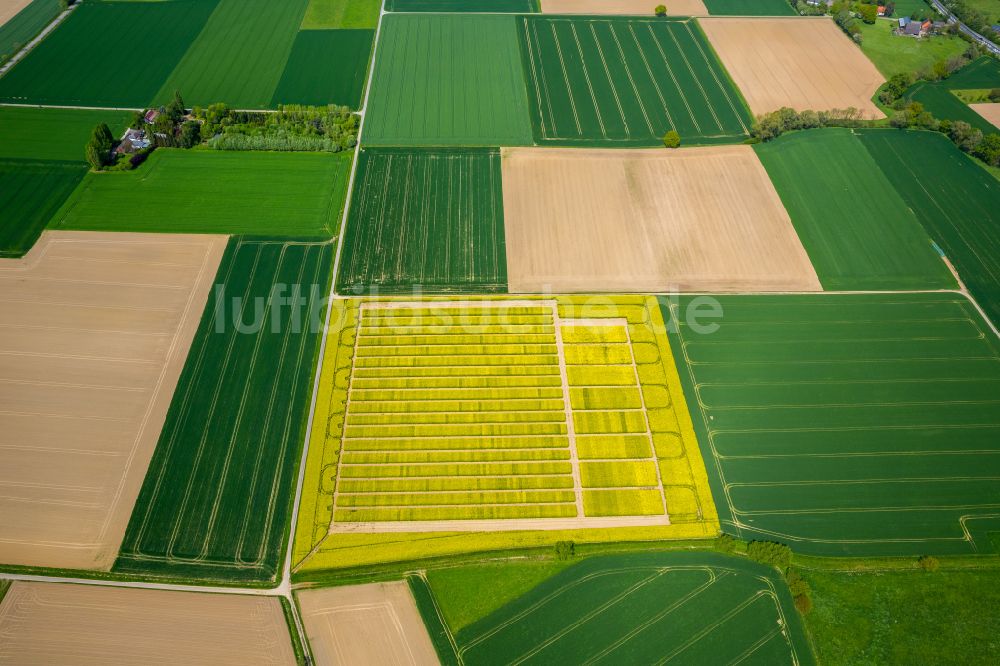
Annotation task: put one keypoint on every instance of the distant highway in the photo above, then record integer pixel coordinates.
(982, 41)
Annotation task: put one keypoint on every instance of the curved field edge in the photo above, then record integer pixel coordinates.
(315, 550)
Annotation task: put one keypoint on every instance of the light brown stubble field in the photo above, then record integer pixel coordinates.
(376, 623)
(10, 8)
(54, 623)
(694, 219)
(95, 333)
(991, 112)
(623, 7)
(802, 63)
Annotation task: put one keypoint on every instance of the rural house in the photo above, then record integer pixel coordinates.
(133, 140)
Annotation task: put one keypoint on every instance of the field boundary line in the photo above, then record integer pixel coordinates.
(30, 46)
(574, 458)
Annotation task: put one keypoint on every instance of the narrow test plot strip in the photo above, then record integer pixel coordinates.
(850, 424)
(626, 82)
(216, 500)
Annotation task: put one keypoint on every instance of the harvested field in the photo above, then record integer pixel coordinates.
(96, 329)
(991, 112)
(859, 232)
(71, 67)
(654, 220)
(691, 608)
(956, 200)
(344, 55)
(30, 192)
(802, 63)
(448, 80)
(485, 415)
(622, 7)
(425, 219)
(240, 55)
(216, 501)
(53, 623)
(10, 8)
(214, 191)
(21, 28)
(52, 134)
(626, 82)
(365, 624)
(860, 425)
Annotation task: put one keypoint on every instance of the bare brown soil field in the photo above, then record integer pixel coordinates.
(9, 8)
(991, 112)
(95, 332)
(699, 219)
(53, 623)
(623, 7)
(803, 63)
(365, 624)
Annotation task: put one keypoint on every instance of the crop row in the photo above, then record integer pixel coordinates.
(456, 442)
(619, 474)
(457, 429)
(612, 446)
(593, 334)
(612, 375)
(605, 398)
(457, 362)
(599, 354)
(407, 410)
(480, 512)
(526, 392)
(402, 350)
(458, 320)
(609, 422)
(414, 385)
(432, 484)
(470, 371)
(457, 337)
(455, 469)
(467, 455)
(455, 418)
(634, 502)
(456, 498)
(431, 310)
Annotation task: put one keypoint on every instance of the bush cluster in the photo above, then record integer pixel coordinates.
(565, 550)
(98, 149)
(292, 128)
(777, 555)
(772, 125)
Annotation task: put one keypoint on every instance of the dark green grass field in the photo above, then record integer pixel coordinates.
(216, 499)
(240, 56)
(749, 8)
(326, 67)
(905, 617)
(25, 25)
(956, 200)
(448, 80)
(625, 82)
(52, 134)
(427, 218)
(858, 231)
(685, 608)
(82, 63)
(849, 424)
(940, 101)
(30, 192)
(511, 6)
(206, 191)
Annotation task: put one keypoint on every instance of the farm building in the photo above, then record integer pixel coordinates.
(131, 141)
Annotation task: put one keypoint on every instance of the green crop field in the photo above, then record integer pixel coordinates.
(897, 54)
(850, 424)
(204, 191)
(627, 81)
(326, 67)
(432, 218)
(858, 231)
(338, 14)
(448, 80)
(216, 500)
(81, 63)
(27, 23)
(52, 134)
(938, 98)
(240, 56)
(496, 409)
(30, 192)
(510, 6)
(957, 201)
(749, 8)
(685, 608)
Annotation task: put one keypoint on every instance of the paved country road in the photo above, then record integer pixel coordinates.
(982, 41)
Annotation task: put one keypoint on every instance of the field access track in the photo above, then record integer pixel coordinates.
(850, 424)
(95, 331)
(427, 219)
(651, 608)
(626, 81)
(218, 494)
